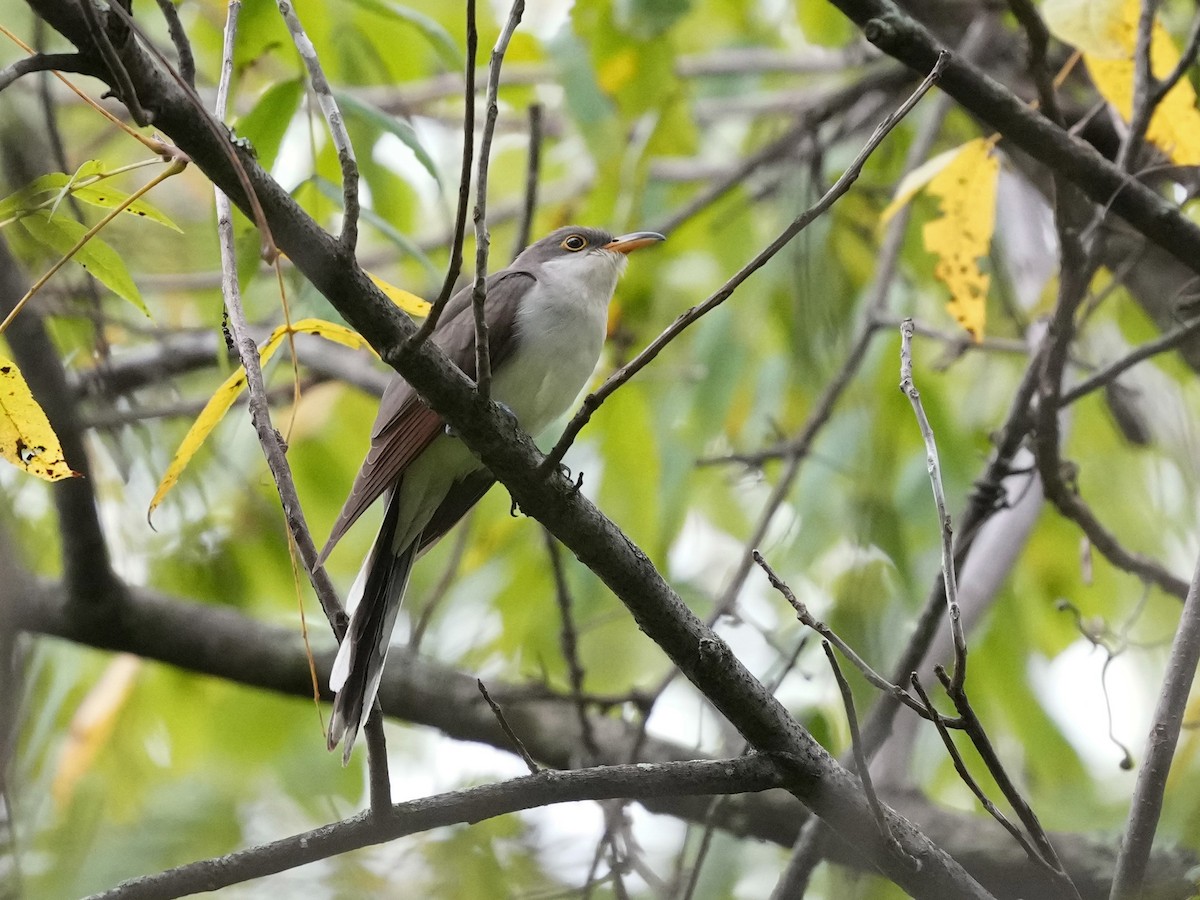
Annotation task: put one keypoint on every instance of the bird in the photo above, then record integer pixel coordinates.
(547, 316)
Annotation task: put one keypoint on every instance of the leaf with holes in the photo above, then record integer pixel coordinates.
(963, 232)
(89, 185)
(26, 438)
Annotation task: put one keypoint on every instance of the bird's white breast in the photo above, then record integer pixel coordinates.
(559, 330)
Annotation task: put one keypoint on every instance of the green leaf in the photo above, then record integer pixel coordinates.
(266, 124)
(373, 115)
(60, 234)
(89, 185)
(107, 198)
(30, 195)
(445, 45)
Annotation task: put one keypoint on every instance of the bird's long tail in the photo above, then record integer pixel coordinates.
(374, 601)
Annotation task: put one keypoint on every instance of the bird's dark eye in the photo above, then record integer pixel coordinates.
(574, 242)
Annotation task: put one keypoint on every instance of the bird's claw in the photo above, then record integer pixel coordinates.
(577, 480)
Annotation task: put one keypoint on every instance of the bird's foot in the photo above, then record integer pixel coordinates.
(577, 479)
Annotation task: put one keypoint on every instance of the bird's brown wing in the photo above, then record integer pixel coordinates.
(405, 426)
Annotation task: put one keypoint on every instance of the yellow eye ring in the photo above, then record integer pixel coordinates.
(574, 243)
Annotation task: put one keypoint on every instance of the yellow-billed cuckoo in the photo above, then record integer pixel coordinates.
(546, 316)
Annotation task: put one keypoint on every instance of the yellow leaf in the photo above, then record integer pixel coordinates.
(410, 303)
(93, 724)
(912, 183)
(967, 188)
(26, 438)
(1106, 32)
(331, 331)
(231, 388)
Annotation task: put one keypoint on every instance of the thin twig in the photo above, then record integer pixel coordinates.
(112, 60)
(799, 447)
(464, 188)
(335, 122)
(433, 598)
(1039, 38)
(379, 781)
(183, 47)
(1145, 807)
(507, 729)
(835, 192)
(949, 578)
(1186, 60)
(44, 62)
(569, 639)
(965, 776)
(1161, 344)
(790, 144)
(1144, 88)
(483, 358)
(860, 758)
(976, 733)
(532, 177)
(806, 618)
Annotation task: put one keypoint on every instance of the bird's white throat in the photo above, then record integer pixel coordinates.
(559, 330)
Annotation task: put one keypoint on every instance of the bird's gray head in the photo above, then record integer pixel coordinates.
(573, 244)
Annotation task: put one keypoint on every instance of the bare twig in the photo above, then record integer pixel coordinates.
(1146, 805)
(44, 62)
(1144, 88)
(835, 192)
(1186, 60)
(532, 176)
(1108, 374)
(379, 781)
(512, 735)
(112, 60)
(965, 776)
(433, 599)
(808, 848)
(949, 579)
(483, 358)
(860, 758)
(335, 122)
(829, 635)
(183, 47)
(1039, 38)
(464, 187)
(569, 640)
(975, 731)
